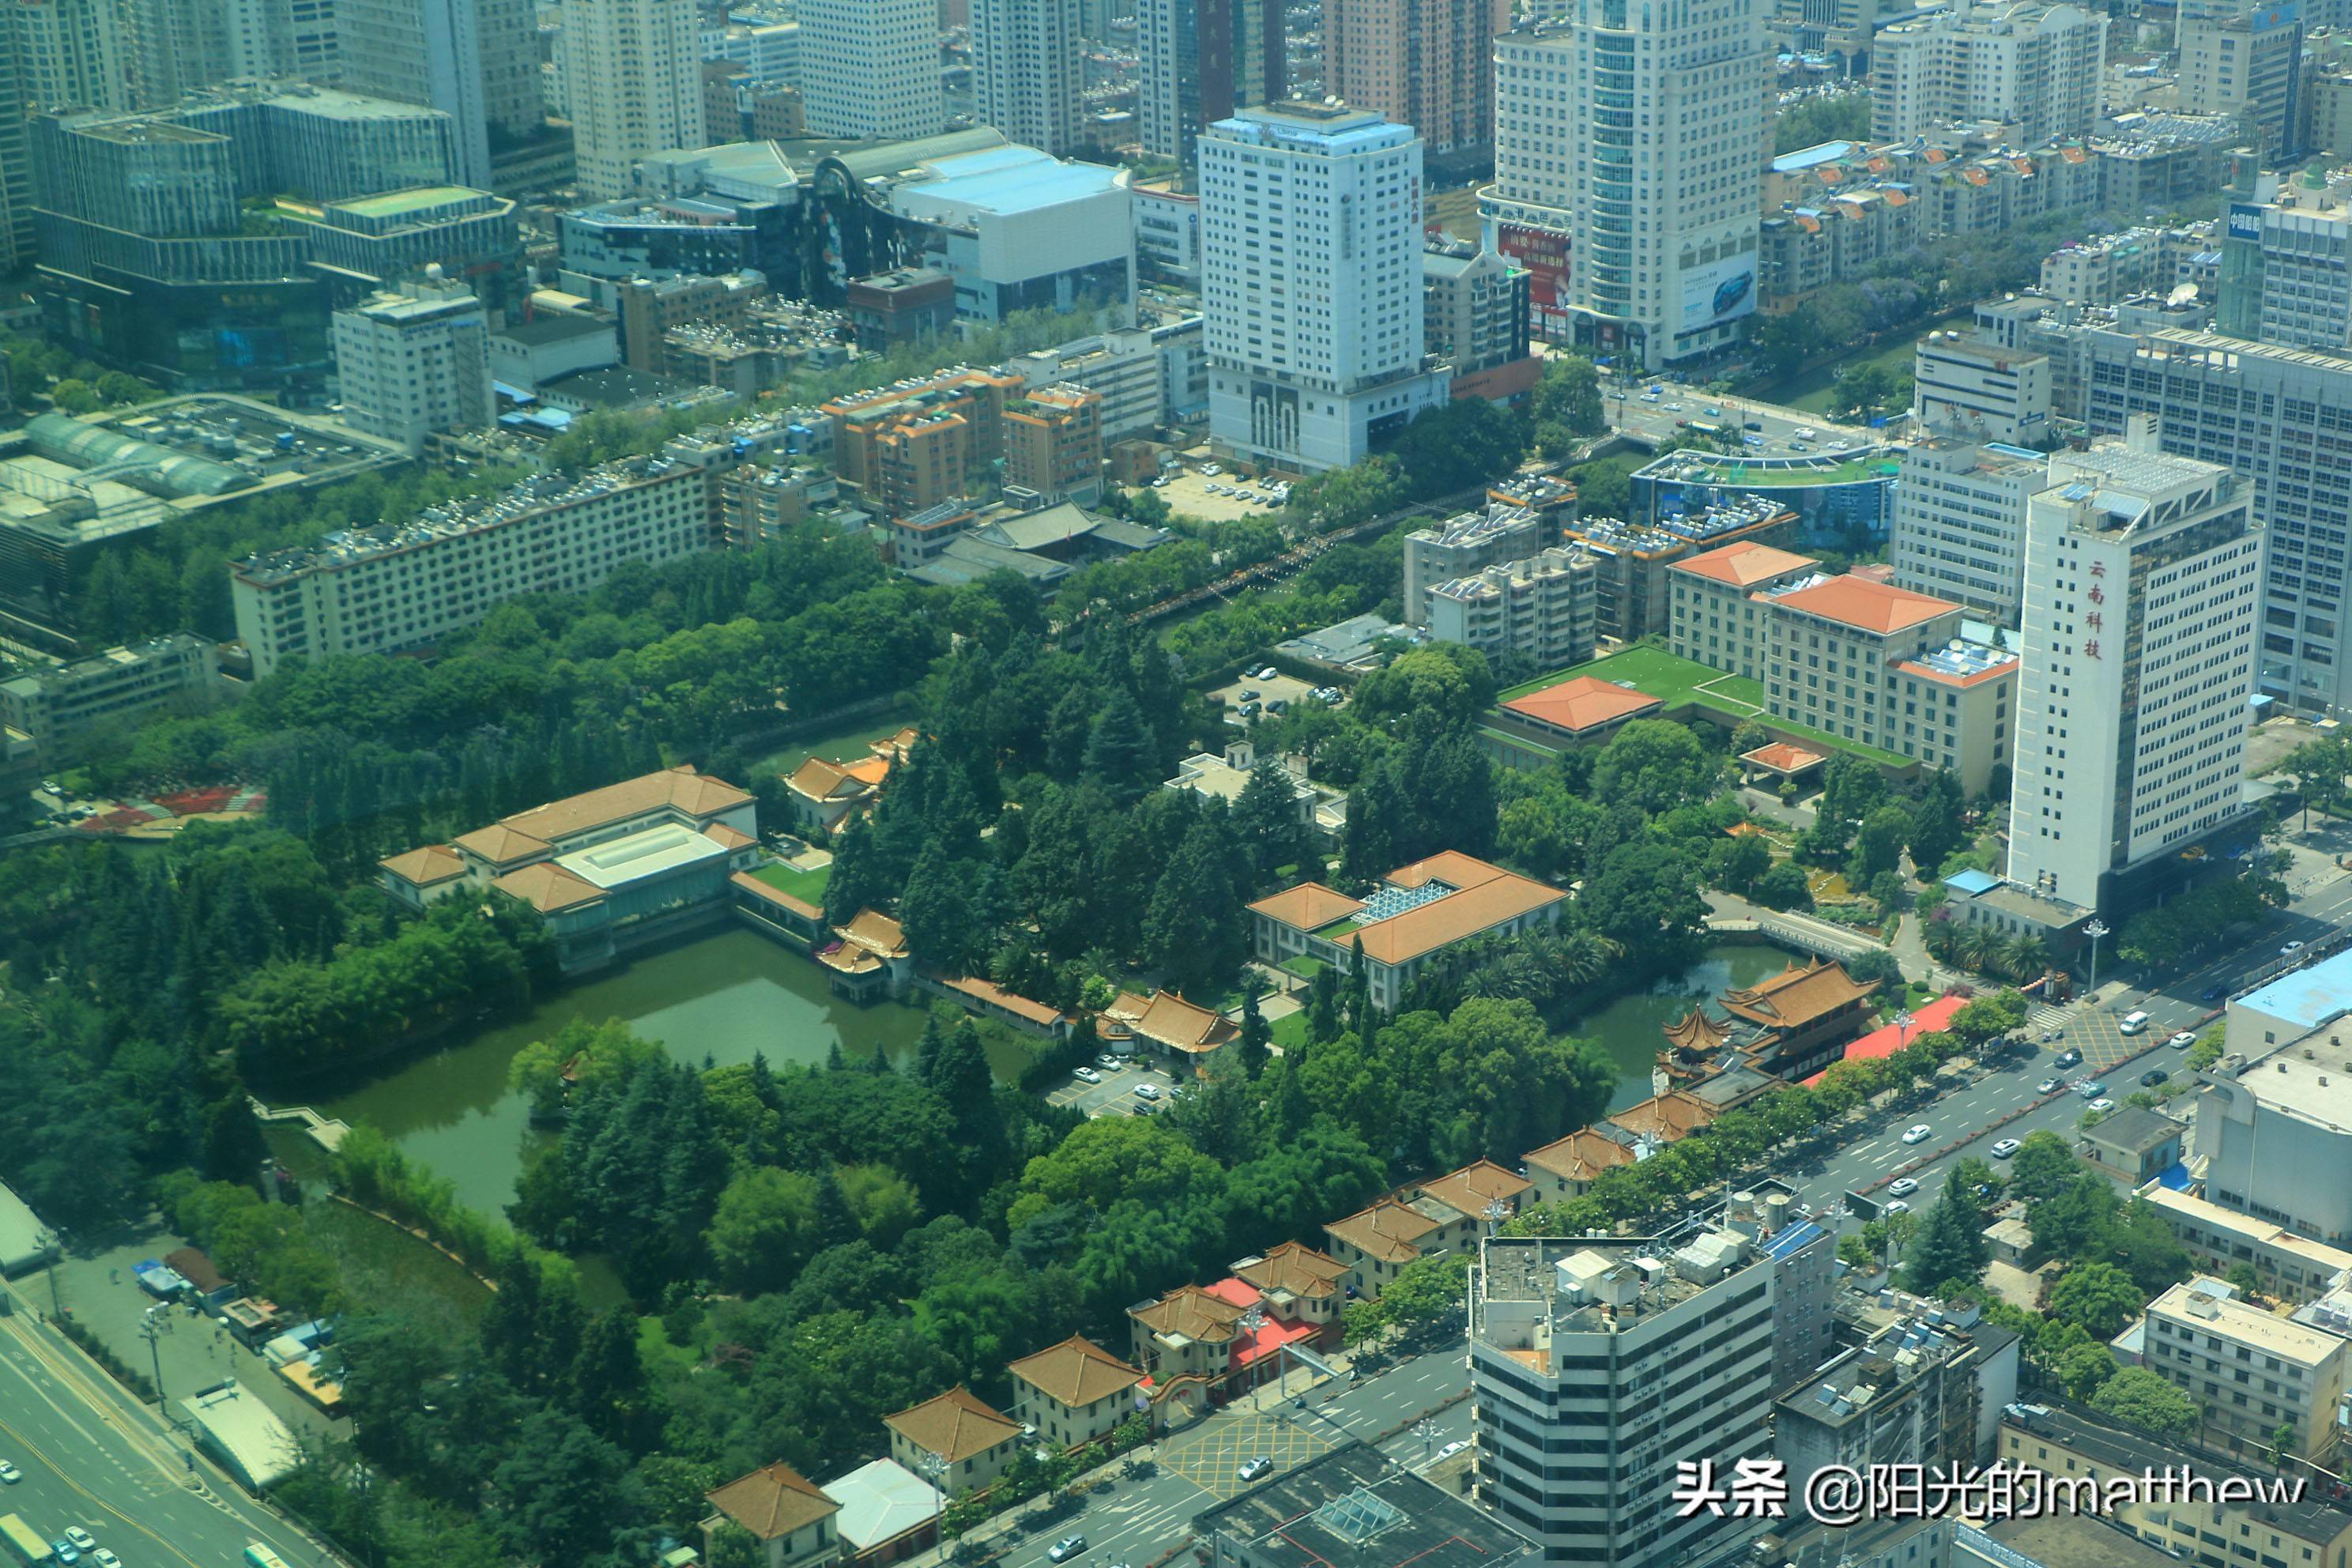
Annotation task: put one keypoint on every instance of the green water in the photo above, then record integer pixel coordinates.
(723, 997)
(1631, 1026)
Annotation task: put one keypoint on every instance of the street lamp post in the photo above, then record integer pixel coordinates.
(2094, 931)
(56, 1239)
(153, 1334)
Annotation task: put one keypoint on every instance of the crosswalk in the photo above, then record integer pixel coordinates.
(2044, 1015)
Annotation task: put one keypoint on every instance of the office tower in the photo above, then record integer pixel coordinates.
(636, 86)
(871, 67)
(2274, 416)
(1428, 64)
(1965, 387)
(447, 54)
(415, 361)
(1311, 225)
(1598, 1364)
(2287, 286)
(2031, 65)
(1202, 62)
(70, 53)
(2143, 592)
(1025, 71)
(1959, 530)
(17, 190)
(2249, 65)
(173, 47)
(1663, 227)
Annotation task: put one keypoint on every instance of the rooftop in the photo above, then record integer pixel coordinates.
(2135, 1128)
(2315, 1087)
(2316, 994)
(1743, 563)
(1076, 1372)
(1352, 1508)
(1594, 1285)
(2200, 1303)
(2122, 1449)
(1858, 602)
(880, 1501)
(1963, 663)
(1001, 181)
(653, 851)
(1581, 703)
(774, 1501)
(2260, 1232)
(399, 203)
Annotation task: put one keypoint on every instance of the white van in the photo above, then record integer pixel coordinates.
(2134, 1023)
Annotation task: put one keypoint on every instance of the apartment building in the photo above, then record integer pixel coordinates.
(416, 581)
(65, 707)
(1468, 543)
(1428, 64)
(1958, 531)
(1921, 1391)
(2247, 64)
(911, 448)
(1541, 608)
(2293, 1267)
(2033, 67)
(1148, 376)
(1026, 63)
(871, 68)
(1662, 223)
(635, 75)
(1634, 597)
(1054, 443)
(1719, 613)
(2143, 576)
(415, 362)
(1311, 283)
(1599, 1364)
(1475, 305)
(2251, 1371)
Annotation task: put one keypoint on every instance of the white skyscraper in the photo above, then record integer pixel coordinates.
(2037, 67)
(1959, 530)
(635, 82)
(415, 362)
(2143, 604)
(1633, 129)
(70, 53)
(1026, 71)
(1311, 241)
(871, 67)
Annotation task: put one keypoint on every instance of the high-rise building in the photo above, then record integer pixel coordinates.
(2273, 415)
(636, 86)
(449, 54)
(2143, 599)
(2291, 287)
(17, 190)
(1662, 222)
(1958, 531)
(1475, 315)
(2036, 67)
(70, 52)
(1202, 62)
(173, 47)
(1311, 227)
(415, 362)
(1428, 64)
(2249, 65)
(1599, 1364)
(1053, 442)
(871, 67)
(1964, 386)
(1026, 71)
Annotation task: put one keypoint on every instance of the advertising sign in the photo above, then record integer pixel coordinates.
(2246, 222)
(1542, 255)
(1721, 291)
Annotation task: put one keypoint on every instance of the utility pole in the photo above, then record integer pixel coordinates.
(153, 1334)
(57, 1248)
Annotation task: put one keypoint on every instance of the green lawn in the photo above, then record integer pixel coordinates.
(806, 886)
(1304, 966)
(1339, 927)
(1675, 682)
(1289, 1031)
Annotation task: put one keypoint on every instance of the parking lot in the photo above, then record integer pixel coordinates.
(1190, 493)
(1248, 688)
(1115, 1095)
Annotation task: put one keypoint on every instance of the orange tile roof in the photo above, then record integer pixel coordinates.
(801, 906)
(1450, 867)
(956, 1425)
(875, 932)
(1076, 1372)
(1744, 564)
(821, 780)
(1878, 607)
(501, 845)
(773, 1502)
(1296, 1268)
(424, 867)
(728, 837)
(1442, 921)
(1310, 906)
(1583, 702)
(1795, 996)
(1388, 1231)
(990, 991)
(1783, 757)
(1945, 676)
(869, 771)
(1170, 1020)
(1581, 1156)
(1193, 1313)
(1471, 1189)
(1695, 1032)
(694, 793)
(548, 887)
(1666, 1117)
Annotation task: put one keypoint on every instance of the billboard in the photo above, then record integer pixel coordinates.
(1542, 255)
(2246, 222)
(1719, 291)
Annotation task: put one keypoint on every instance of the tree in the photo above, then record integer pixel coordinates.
(2242, 1275)
(2142, 1398)
(1265, 819)
(1427, 1293)
(1645, 898)
(1949, 1250)
(565, 1495)
(1878, 845)
(1361, 1321)
(1256, 1034)
(2099, 1297)
(1784, 887)
(1938, 821)
(765, 1227)
(1655, 764)
(1736, 865)
(2041, 1166)
(941, 912)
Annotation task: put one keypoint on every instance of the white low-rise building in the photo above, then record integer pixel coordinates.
(415, 362)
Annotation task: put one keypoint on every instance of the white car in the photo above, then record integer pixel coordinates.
(1146, 1091)
(2290, 950)
(1903, 1186)
(1069, 1546)
(1897, 1206)
(1160, 484)
(1451, 1449)
(9, 1474)
(1806, 432)
(2103, 1104)
(1086, 1075)
(2004, 1149)
(1255, 1467)
(1268, 673)
(2181, 1041)
(1107, 1060)
(105, 1559)
(1919, 1132)
(2047, 1086)
(82, 1539)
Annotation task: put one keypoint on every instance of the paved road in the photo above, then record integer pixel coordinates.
(93, 1458)
(1134, 1520)
(1115, 1095)
(1652, 422)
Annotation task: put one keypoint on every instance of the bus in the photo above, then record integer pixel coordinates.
(261, 1556)
(25, 1546)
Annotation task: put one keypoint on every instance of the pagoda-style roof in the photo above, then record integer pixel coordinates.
(1796, 996)
(1695, 1034)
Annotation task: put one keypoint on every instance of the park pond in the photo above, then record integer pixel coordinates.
(722, 998)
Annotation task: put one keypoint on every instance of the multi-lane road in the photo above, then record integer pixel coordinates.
(91, 1457)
